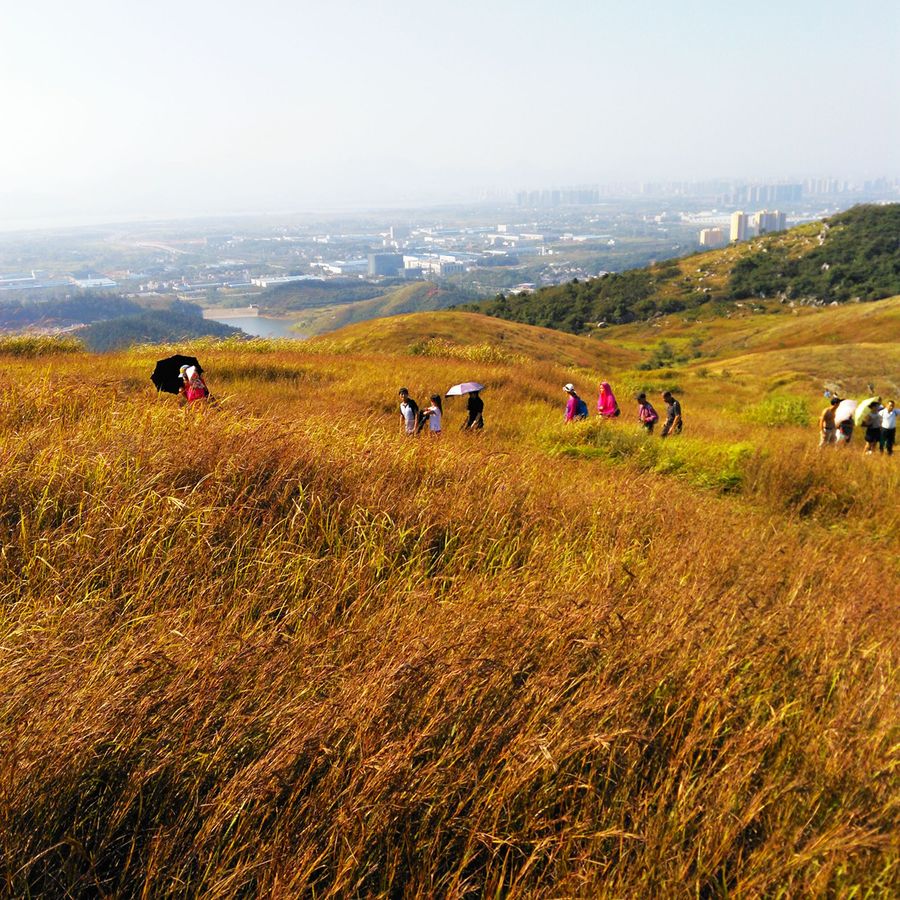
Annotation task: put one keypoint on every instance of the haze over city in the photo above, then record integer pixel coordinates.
(203, 108)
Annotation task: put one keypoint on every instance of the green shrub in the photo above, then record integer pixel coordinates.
(777, 410)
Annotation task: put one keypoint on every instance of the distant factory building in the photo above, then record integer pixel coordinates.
(92, 280)
(385, 263)
(265, 281)
(344, 267)
(712, 237)
(739, 223)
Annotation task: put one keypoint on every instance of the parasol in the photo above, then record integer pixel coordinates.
(166, 376)
(467, 387)
(862, 411)
(844, 411)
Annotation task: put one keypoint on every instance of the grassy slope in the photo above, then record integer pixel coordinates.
(400, 333)
(419, 296)
(274, 648)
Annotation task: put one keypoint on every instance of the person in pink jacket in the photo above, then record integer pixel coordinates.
(606, 402)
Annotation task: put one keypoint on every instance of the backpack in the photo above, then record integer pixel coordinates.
(581, 409)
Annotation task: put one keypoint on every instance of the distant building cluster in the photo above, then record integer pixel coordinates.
(744, 226)
(578, 196)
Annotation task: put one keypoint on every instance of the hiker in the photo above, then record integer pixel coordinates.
(409, 413)
(888, 429)
(827, 427)
(576, 408)
(474, 412)
(673, 424)
(194, 387)
(606, 402)
(647, 415)
(432, 415)
(872, 422)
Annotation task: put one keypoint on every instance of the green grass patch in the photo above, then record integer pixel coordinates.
(30, 345)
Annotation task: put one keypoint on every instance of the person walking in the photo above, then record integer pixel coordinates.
(409, 413)
(432, 415)
(827, 427)
(474, 412)
(888, 429)
(576, 408)
(607, 406)
(647, 415)
(873, 427)
(674, 423)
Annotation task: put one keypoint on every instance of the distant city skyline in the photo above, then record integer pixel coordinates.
(196, 107)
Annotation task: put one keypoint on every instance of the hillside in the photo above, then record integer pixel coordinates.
(420, 296)
(183, 322)
(855, 254)
(449, 333)
(272, 647)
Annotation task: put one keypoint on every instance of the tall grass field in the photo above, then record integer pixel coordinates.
(272, 647)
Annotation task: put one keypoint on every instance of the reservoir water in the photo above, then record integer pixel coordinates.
(261, 326)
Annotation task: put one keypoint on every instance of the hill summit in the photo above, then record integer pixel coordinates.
(851, 256)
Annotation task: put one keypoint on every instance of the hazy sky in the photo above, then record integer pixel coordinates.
(199, 106)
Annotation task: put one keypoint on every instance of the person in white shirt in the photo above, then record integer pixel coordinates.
(409, 412)
(888, 428)
(433, 414)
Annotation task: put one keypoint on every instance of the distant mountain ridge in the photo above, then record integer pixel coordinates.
(852, 255)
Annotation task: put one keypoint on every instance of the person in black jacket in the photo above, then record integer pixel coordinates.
(474, 412)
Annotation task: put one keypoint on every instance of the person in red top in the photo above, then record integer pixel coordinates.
(194, 387)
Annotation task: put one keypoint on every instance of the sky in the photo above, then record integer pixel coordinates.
(198, 107)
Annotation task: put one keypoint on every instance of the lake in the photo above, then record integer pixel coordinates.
(261, 326)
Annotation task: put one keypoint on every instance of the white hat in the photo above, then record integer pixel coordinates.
(569, 388)
(182, 370)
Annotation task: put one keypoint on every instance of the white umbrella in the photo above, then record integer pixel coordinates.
(467, 387)
(844, 411)
(862, 411)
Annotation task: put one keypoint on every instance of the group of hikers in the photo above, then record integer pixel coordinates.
(608, 408)
(836, 424)
(414, 420)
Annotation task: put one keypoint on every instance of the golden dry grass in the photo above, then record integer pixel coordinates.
(273, 648)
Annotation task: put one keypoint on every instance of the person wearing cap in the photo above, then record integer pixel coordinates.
(576, 408)
(194, 387)
(827, 428)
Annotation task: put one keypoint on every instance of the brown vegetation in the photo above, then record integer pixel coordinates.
(271, 647)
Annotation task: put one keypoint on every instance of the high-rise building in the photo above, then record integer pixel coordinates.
(738, 226)
(712, 237)
(765, 222)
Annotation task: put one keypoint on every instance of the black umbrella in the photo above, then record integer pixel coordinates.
(167, 374)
